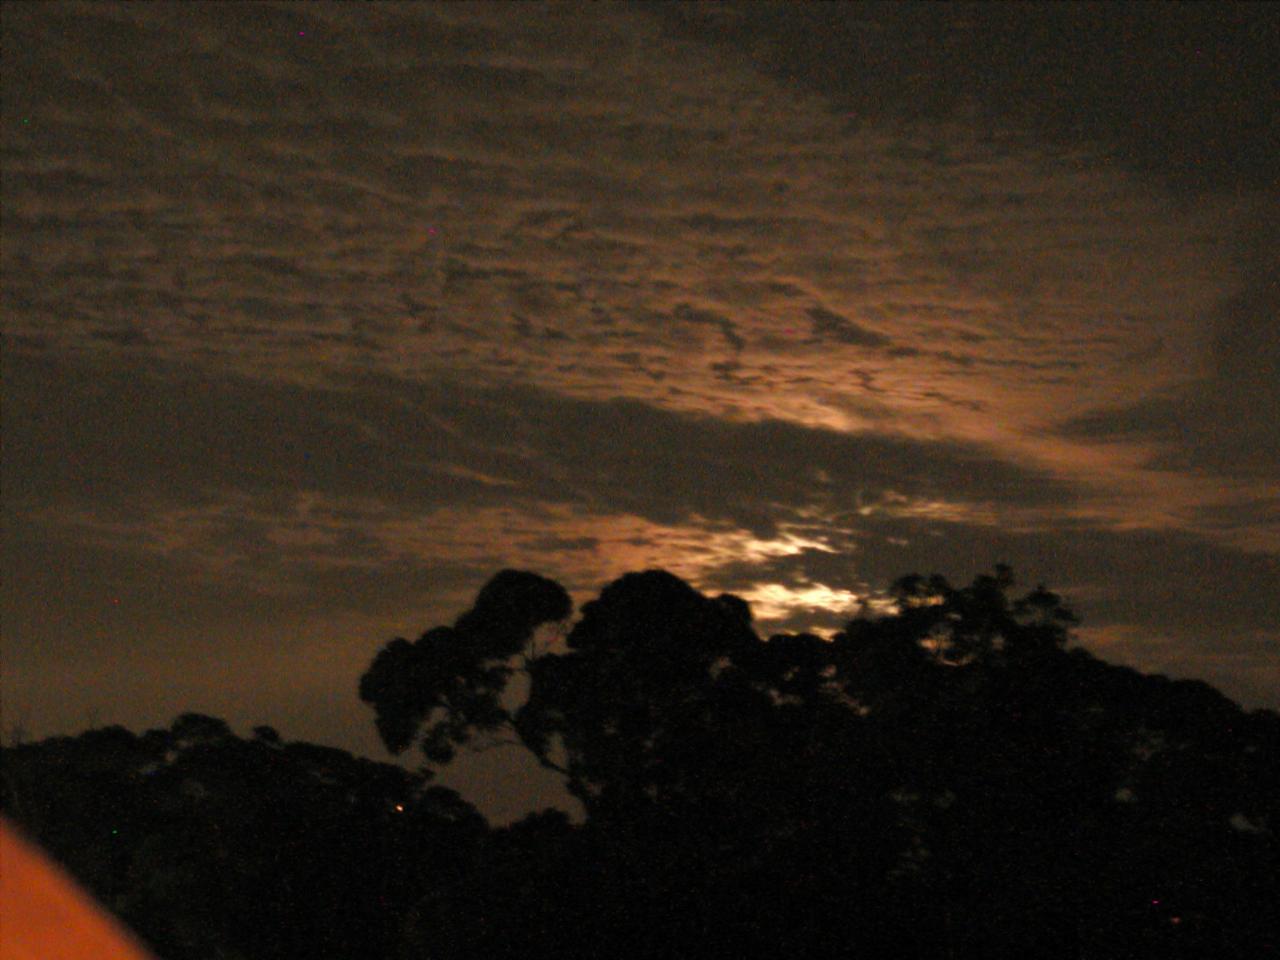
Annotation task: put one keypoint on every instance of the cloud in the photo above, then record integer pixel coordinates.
(688, 314)
(1160, 101)
(1220, 424)
(263, 474)
(835, 327)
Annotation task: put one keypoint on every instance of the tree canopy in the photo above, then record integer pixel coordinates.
(213, 846)
(949, 774)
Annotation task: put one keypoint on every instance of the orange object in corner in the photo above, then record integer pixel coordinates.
(45, 915)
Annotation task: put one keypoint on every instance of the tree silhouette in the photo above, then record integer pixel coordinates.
(209, 846)
(664, 699)
(950, 778)
(448, 685)
(944, 779)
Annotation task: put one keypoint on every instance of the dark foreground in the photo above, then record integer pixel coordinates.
(947, 782)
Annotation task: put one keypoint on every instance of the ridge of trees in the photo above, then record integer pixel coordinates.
(209, 845)
(950, 778)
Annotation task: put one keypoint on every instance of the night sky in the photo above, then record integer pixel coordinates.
(316, 316)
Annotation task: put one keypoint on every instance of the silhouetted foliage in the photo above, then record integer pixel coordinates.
(210, 846)
(948, 779)
(459, 671)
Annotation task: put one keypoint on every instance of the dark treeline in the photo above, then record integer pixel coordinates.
(951, 779)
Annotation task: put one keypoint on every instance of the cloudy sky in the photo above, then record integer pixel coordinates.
(316, 316)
